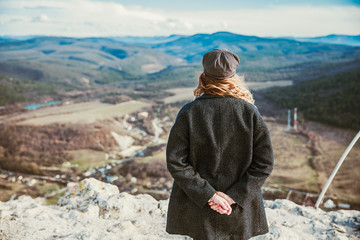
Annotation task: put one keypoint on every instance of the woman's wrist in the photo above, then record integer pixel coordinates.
(212, 198)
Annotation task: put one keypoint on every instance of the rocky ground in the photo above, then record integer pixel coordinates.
(93, 209)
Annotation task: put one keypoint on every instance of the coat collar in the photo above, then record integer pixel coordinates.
(213, 96)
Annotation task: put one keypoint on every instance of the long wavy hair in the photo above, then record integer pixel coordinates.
(234, 86)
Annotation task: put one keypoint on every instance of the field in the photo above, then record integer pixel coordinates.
(86, 158)
(187, 94)
(268, 84)
(95, 121)
(87, 112)
(332, 143)
(180, 94)
(295, 170)
(291, 167)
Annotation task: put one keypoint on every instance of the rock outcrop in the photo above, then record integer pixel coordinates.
(97, 210)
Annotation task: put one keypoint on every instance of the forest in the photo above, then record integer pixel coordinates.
(332, 100)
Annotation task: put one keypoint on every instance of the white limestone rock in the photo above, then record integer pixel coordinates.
(93, 209)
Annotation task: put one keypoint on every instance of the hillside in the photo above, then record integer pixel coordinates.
(333, 39)
(164, 62)
(251, 48)
(267, 59)
(333, 100)
(14, 90)
(99, 211)
(79, 63)
(124, 143)
(116, 106)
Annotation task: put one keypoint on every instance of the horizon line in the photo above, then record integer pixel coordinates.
(174, 34)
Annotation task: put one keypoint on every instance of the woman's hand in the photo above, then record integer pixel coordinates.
(221, 202)
(218, 208)
(227, 197)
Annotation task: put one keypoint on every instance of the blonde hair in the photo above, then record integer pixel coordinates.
(234, 86)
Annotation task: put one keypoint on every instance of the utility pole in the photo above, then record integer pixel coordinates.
(288, 122)
(295, 119)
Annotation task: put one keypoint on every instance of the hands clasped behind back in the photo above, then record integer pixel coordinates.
(221, 203)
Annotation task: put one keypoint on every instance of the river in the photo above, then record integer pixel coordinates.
(37, 105)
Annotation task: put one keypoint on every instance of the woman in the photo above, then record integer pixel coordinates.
(219, 153)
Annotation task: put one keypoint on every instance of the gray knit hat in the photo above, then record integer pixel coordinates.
(220, 64)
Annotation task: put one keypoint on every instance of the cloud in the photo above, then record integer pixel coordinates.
(103, 18)
(280, 21)
(178, 24)
(39, 7)
(41, 18)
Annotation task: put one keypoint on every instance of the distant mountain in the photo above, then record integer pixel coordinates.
(79, 62)
(333, 39)
(264, 59)
(162, 62)
(193, 47)
(5, 39)
(146, 41)
(8, 38)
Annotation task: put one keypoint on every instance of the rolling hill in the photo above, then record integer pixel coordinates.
(264, 59)
(79, 62)
(163, 62)
(251, 48)
(333, 39)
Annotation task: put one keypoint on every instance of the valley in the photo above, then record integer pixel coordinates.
(114, 100)
(124, 144)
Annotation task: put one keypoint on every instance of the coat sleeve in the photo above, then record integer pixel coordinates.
(249, 184)
(196, 188)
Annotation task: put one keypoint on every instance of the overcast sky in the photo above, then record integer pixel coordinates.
(274, 18)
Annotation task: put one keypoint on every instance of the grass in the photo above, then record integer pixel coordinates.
(180, 94)
(9, 95)
(6, 193)
(291, 167)
(346, 182)
(187, 93)
(87, 112)
(42, 188)
(15, 90)
(86, 158)
(47, 188)
(159, 156)
(54, 199)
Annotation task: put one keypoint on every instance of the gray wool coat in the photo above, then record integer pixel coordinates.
(218, 143)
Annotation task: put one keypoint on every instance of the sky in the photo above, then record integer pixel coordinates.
(98, 18)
